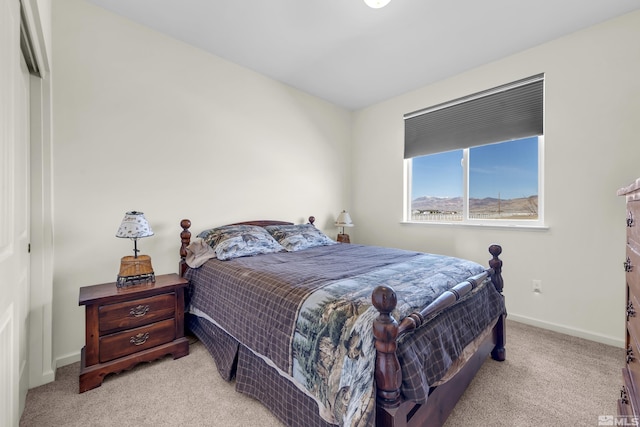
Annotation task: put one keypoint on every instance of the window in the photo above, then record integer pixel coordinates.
(503, 183)
(478, 159)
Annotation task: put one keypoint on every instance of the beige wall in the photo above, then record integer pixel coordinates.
(592, 128)
(145, 122)
(242, 146)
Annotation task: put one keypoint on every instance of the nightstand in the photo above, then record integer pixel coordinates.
(126, 326)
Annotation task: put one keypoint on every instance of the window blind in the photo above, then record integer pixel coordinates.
(507, 112)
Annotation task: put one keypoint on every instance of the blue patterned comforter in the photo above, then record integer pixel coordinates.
(309, 314)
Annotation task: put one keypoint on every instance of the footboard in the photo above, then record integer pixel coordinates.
(392, 411)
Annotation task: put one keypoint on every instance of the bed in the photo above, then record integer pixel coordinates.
(326, 333)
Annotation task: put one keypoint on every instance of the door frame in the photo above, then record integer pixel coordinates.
(36, 27)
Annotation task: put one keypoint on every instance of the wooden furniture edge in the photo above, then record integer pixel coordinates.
(391, 409)
(105, 291)
(629, 188)
(387, 330)
(92, 376)
(442, 399)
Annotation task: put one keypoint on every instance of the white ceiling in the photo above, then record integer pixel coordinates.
(355, 56)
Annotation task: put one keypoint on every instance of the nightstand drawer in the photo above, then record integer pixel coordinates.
(131, 314)
(134, 340)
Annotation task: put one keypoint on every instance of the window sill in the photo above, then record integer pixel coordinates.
(480, 225)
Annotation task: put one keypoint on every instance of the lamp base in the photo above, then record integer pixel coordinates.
(343, 238)
(135, 271)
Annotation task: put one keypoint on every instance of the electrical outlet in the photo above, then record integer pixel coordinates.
(537, 285)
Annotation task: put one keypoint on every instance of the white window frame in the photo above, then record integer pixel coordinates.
(529, 223)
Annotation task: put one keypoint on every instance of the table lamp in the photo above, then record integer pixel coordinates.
(135, 269)
(344, 220)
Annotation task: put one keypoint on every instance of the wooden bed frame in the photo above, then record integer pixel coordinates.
(392, 410)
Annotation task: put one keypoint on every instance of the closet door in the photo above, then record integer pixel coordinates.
(14, 215)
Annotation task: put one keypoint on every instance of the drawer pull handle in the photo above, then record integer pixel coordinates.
(627, 265)
(139, 339)
(139, 311)
(630, 219)
(631, 312)
(629, 355)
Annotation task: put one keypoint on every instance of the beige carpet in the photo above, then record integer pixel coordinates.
(548, 379)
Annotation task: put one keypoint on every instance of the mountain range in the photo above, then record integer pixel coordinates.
(486, 205)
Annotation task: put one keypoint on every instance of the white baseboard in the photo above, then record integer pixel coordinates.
(47, 377)
(41, 377)
(604, 339)
(66, 360)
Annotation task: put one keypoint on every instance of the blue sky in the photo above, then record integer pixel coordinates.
(508, 170)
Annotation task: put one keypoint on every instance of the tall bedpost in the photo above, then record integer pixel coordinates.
(496, 264)
(498, 353)
(385, 331)
(185, 238)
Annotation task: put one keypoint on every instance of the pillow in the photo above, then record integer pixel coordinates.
(233, 241)
(297, 237)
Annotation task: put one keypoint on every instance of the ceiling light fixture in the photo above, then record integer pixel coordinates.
(377, 4)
